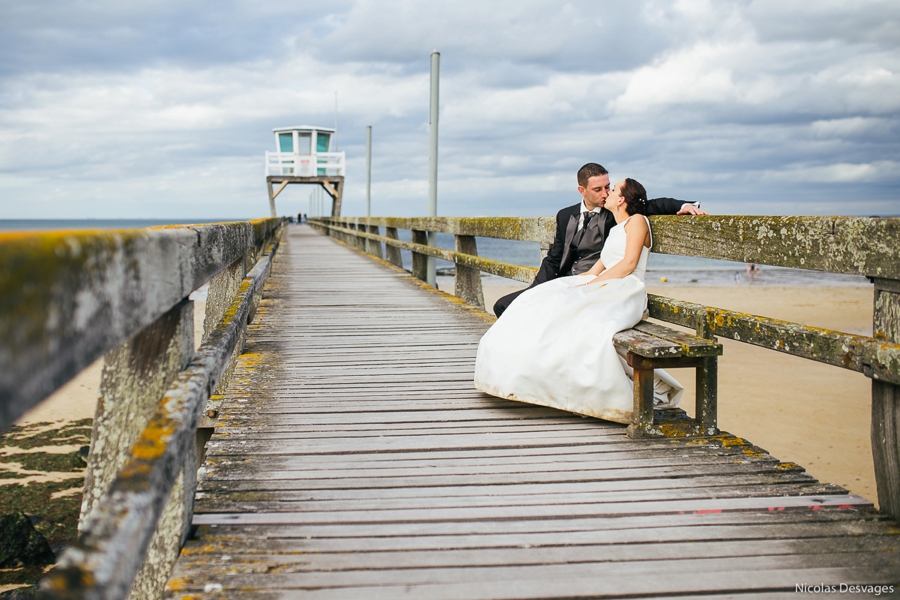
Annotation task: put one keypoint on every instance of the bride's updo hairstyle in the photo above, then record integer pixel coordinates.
(635, 197)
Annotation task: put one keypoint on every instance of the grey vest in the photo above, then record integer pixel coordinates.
(587, 250)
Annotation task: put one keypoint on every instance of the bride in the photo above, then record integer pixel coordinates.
(553, 345)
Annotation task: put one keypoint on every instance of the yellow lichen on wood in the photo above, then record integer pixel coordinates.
(154, 440)
(789, 466)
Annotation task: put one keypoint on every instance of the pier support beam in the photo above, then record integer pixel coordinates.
(420, 261)
(886, 402)
(333, 184)
(468, 279)
(373, 247)
(135, 377)
(392, 253)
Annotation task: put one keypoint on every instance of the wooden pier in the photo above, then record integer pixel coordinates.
(352, 459)
(325, 440)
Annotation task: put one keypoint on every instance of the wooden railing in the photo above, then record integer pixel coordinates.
(71, 297)
(862, 246)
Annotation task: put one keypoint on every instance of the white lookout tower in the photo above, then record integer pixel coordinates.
(303, 155)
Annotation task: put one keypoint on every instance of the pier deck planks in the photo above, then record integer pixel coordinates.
(353, 459)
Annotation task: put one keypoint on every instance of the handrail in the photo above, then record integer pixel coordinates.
(70, 297)
(494, 267)
(852, 245)
(873, 357)
(526, 229)
(106, 558)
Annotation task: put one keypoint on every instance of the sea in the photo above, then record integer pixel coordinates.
(662, 269)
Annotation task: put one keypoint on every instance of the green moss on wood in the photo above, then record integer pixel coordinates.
(854, 245)
(528, 229)
(880, 360)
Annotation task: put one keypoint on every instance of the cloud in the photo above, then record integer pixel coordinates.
(163, 109)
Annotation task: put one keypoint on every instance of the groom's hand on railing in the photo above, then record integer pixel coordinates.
(691, 209)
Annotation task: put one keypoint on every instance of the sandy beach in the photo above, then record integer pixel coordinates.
(801, 411)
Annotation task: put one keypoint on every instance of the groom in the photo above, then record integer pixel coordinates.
(581, 230)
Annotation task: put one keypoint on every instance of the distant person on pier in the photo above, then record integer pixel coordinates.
(581, 230)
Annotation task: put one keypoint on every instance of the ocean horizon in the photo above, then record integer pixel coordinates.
(662, 268)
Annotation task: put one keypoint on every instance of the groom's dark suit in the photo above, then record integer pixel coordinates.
(572, 252)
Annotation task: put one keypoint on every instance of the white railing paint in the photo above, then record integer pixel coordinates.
(305, 165)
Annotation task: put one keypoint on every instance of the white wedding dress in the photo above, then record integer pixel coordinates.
(553, 345)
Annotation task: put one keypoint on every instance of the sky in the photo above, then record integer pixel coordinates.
(164, 109)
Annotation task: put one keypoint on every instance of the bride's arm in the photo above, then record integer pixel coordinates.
(596, 269)
(636, 231)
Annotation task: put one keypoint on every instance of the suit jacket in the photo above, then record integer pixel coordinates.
(559, 259)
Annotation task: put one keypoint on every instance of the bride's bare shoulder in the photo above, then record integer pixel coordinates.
(637, 225)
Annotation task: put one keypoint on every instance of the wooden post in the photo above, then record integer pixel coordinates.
(706, 399)
(351, 238)
(392, 253)
(374, 247)
(706, 402)
(468, 280)
(420, 261)
(886, 402)
(360, 242)
(222, 290)
(271, 197)
(642, 416)
(337, 192)
(135, 377)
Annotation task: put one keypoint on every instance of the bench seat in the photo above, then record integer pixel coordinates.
(648, 346)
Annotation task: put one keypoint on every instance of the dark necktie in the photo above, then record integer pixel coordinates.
(580, 235)
(587, 219)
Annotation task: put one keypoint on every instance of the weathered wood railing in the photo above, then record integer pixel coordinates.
(862, 246)
(69, 298)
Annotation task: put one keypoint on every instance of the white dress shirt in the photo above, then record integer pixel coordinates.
(584, 209)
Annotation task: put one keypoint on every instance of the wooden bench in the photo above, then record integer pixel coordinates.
(649, 346)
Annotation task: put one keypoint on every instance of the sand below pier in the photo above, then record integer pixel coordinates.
(799, 410)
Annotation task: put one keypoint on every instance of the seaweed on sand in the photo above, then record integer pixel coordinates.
(52, 506)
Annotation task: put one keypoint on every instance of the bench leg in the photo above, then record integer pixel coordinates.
(707, 401)
(642, 418)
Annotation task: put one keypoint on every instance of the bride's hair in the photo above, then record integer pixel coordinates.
(635, 197)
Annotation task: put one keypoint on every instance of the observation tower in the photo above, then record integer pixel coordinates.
(303, 155)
